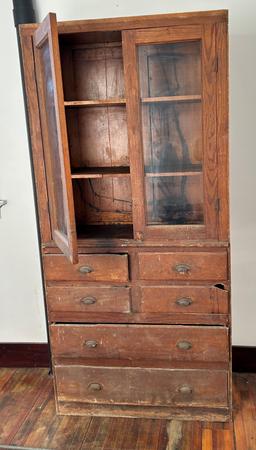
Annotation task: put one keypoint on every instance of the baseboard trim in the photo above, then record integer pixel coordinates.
(243, 359)
(24, 355)
(38, 355)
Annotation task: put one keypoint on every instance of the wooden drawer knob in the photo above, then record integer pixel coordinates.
(85, 269)
(88, 300)
(182, 268)
(185, 301)
(91, 344)
(95, 387)
(185, 389)
(184, 345)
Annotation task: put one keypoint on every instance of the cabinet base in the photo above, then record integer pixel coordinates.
(201, 414)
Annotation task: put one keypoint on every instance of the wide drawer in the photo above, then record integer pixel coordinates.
(183, 266)
(140, 342)
(139, 386)
(183, 299)
(90, 268)
(88, 299)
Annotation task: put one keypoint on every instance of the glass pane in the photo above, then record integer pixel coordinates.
(174, 200)
(51, 134)
(170, 91)
(170, 69)
(172, 136)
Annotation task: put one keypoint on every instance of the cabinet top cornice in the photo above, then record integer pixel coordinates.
(133, 22)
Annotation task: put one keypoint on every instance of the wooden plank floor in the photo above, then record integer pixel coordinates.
(28, 420)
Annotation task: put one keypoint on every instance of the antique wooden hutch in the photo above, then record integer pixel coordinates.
(129, 131)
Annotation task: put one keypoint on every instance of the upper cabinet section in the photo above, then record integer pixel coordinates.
(132, 115)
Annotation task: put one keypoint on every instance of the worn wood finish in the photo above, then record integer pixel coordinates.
(222, 129)
(124, 23)
(146, 386)
(140, 318)
(140, 342)
(40, 427)
(56, 153)
(209, 56)
(169, 266)
(36, 137)
(102, 201)
(134, 139)
(100, 268)
(88, 299)
(151, 285)
(184, 299)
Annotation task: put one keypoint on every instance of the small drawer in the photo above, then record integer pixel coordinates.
(90, 268)
(198, 266)
(140, 386)
(88, 299)
(141, 342)
(183, 299)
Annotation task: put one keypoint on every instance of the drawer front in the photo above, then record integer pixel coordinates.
(137, 386)
(141, 342)
(183, 299)
(88, 299)
(183, 266)
(90, 268)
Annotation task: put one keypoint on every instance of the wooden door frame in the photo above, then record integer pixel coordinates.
(47, 31)
(131, 39)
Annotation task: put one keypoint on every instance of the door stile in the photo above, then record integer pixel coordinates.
(209, 115)
(134, 133)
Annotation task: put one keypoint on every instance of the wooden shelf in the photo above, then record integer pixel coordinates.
(172, 99)
(105, 102)
(173, 174)
(101, 172)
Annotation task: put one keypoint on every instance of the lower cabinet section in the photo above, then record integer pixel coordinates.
(81, 387)
(141, 334)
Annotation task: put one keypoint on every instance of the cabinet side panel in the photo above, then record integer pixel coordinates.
(222, 128)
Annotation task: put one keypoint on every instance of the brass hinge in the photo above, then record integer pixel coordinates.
(217, 204)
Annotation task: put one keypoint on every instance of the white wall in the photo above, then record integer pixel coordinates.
(21, 305)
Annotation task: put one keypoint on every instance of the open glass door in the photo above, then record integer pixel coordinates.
(172, 113)
(54, 132)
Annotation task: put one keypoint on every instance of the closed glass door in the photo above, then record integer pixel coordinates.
(174, 90)
(170, 95)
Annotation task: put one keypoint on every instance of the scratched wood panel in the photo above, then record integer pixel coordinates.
(103, 201)
(100, 268)
(181, 343)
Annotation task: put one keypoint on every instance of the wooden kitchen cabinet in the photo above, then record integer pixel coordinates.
(129, 132)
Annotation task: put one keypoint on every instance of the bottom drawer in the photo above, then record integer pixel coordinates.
(144, 387)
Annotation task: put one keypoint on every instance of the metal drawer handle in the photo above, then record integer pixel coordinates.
(182, 268)
(88, 300)
(95, 387)
(85, 269)
(184, 301)
(91, 344)
(185, 389)
(184, 345)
